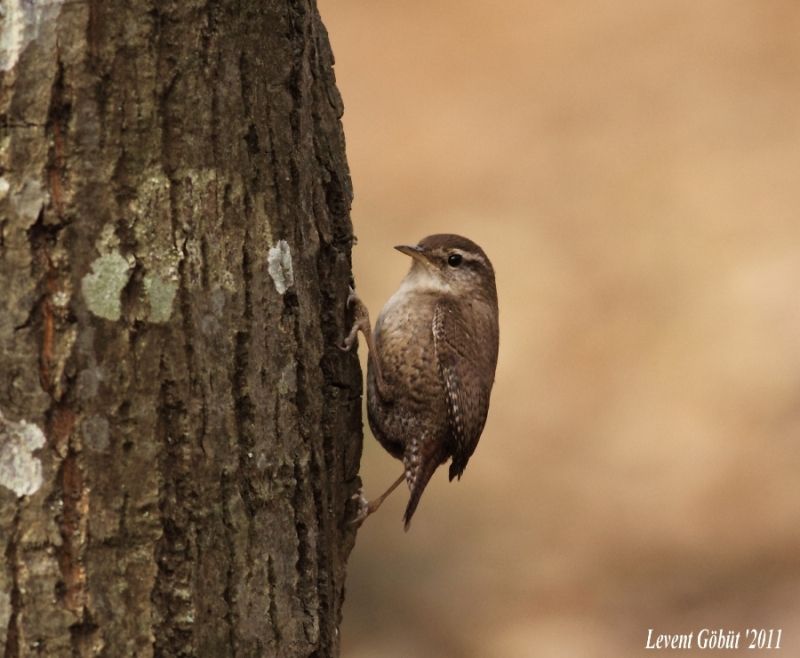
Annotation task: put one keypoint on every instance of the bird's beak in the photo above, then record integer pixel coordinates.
(417, 253)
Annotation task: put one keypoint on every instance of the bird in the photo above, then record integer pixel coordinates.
(431, 362)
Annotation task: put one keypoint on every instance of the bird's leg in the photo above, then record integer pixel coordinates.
(361, 323)
(365, 508)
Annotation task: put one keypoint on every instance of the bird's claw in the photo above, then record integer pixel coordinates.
(360, 323)
(351, 297)
(363, 508)
(347, 344)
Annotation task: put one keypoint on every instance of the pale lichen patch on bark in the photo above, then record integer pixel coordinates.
(21, 24)
(165, 242)
(279, 260)
(161, 294)
(27, 201)
(20, 471)
(5, 614)
(103, 286)
(159, 248)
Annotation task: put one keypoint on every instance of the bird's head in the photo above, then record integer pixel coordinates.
(450, 264)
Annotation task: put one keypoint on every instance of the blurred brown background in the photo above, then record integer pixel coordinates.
(633, 170)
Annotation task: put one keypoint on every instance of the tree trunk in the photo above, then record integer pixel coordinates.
(180, 435)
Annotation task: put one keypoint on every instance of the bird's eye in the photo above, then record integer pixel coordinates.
(454, 260)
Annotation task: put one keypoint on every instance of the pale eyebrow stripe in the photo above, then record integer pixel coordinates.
(471, 256)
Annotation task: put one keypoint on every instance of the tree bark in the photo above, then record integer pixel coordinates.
(180, 435)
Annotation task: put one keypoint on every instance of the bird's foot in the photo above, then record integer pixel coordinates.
(352, 297)
(360, 321)
(364, 507)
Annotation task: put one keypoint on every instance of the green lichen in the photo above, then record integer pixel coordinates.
(160, 245)
(161, 294)
(103, 286)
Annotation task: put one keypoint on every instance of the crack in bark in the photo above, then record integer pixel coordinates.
(175, 552)
(12, 560)
(57, 126)
(305, 566)
(244, 409)
(272, 581)
(54, 321)
(229, 593)
(72, 522)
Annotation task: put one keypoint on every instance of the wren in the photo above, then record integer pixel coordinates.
(431, 362)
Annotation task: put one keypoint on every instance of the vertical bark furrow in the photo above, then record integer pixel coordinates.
(272, 586)
(229, 612)
(10, 641)
(173, 587)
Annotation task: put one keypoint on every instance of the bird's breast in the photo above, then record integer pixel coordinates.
(404, 342)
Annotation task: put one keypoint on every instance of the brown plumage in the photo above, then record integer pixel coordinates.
(432, 361)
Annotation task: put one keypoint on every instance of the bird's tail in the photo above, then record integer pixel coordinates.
(418, 481)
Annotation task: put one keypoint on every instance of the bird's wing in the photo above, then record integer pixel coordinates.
(467, 388)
